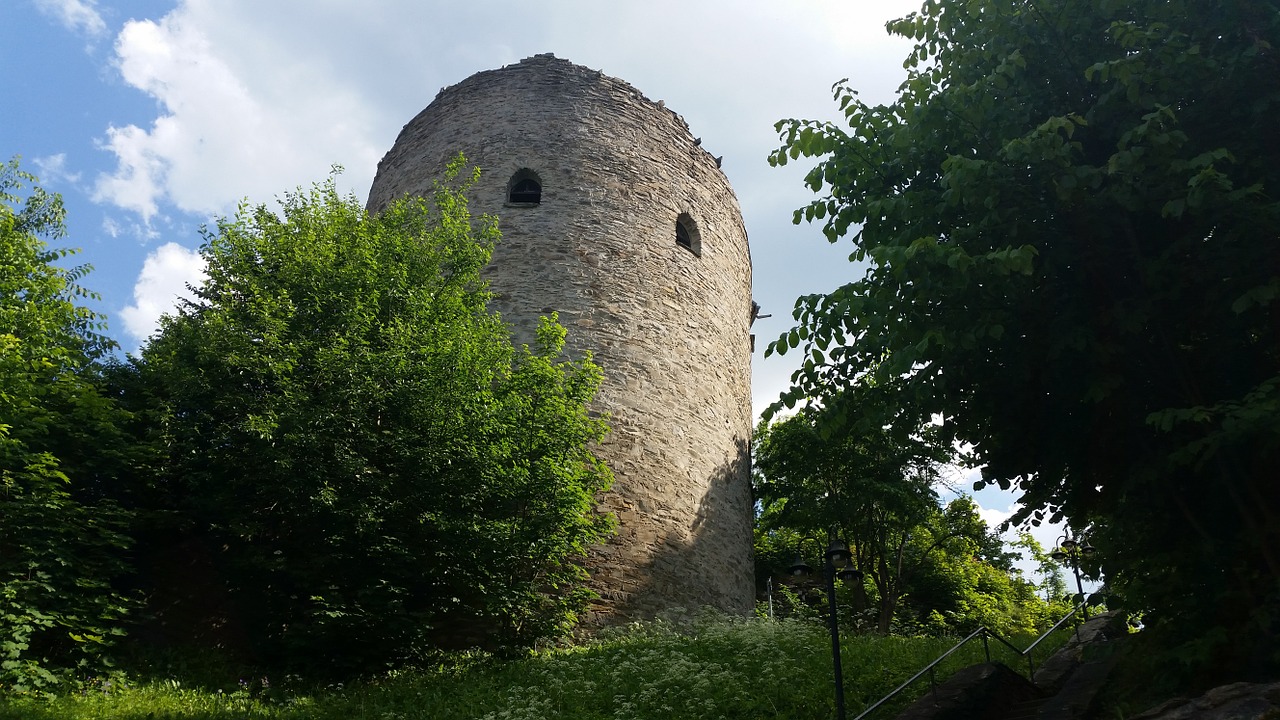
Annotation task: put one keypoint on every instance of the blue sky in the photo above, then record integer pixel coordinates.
(155, 117)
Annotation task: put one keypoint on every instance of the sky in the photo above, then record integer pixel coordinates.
(154, 118)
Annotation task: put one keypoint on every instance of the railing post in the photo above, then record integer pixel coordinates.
(933, 682)
(986, 648)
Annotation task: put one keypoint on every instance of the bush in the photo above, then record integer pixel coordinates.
(368, 466)
(61, 546)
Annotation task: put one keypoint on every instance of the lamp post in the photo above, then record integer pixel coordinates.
(835, 564)
(1074, 549)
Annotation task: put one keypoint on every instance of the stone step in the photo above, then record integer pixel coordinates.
(1075, 699)
(1025, 710)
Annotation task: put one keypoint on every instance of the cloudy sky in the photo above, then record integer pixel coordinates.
(153, 117)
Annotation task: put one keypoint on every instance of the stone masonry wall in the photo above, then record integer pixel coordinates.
(670, 328)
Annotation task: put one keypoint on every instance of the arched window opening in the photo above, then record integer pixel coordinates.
(525, 188)
(687, 235)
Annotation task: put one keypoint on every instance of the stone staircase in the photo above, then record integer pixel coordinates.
(1025, 710)
(1065, 686)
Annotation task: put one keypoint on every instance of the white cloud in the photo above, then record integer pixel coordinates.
(227, 130)
(137, 183)
(994, 516)
(52, 169)
(75, 15)
(257, 98)
(165, 275)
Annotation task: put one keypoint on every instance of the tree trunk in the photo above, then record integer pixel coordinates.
(888, 605)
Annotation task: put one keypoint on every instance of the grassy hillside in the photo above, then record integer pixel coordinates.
(702, 668)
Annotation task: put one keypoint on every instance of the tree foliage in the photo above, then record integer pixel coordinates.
(368, 465)
(822, 473)
(1070, 214)
(970, 580)
(61, 447)
(1052, 579)
(871, 488)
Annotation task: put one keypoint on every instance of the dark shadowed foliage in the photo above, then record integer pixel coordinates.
(1071, 217)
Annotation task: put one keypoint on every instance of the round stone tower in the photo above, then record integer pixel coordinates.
(613, 215)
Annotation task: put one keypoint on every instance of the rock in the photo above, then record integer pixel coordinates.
(1078, 694)
(1100, 628)
(978, 692)
(1054, 672)
(1240, 701)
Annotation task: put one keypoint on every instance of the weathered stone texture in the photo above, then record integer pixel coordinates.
(670, 328)
(1239, 701)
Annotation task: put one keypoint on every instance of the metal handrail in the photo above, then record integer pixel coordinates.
(927, 669)
(1056, 625)
(984, 633)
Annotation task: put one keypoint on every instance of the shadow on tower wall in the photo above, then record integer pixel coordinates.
(708, 564)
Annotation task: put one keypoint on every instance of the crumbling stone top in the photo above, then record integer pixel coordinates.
(557, 82)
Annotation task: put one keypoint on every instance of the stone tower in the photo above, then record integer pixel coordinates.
(613, 215)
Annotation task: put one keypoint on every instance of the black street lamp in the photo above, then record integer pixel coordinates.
(1074, 549)
(835, 564)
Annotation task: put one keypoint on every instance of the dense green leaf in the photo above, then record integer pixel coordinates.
(358, 451)
(62, 448)
(1111, 172)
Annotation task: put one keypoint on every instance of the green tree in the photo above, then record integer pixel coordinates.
(970, 579)
(926, 568)
(1071, 218)
(1052, 581)
(371, 467)
(61, 447)
(820, 473)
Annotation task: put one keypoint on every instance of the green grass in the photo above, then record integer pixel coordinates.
(706, 668)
